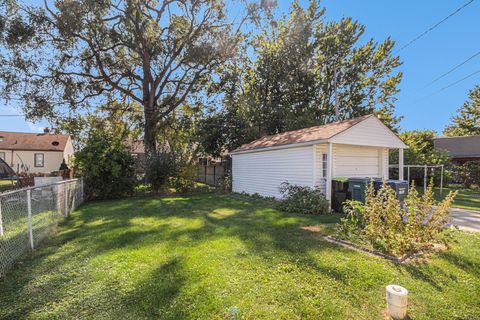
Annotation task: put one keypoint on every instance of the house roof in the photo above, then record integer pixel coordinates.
(459, 147)
(136, 146)
(305, 135)
(32, 141)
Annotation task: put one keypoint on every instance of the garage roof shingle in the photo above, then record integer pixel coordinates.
(323, 132)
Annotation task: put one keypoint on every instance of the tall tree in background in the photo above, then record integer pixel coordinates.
(63, 58)
(467, 120)
(289, 83)
(420, 149)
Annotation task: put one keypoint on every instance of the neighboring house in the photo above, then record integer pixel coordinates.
(314, 156)
(460, 149)
(35, 152)
(137, 150)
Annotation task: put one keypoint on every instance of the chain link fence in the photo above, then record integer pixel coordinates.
(28, 215)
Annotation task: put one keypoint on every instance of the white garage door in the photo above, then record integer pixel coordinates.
(354, 161)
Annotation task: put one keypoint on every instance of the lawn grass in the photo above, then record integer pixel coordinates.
(209, 256)
(466, 198)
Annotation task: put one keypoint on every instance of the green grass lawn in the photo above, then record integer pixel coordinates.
(466, 198)
(208, 256)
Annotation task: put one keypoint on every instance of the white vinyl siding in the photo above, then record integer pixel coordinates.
(355, 161)
(264, 172)
(370, 132)
(359, 151)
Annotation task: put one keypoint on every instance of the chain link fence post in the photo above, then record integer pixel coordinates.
(65, 198)
(1, 218)
(30, 224)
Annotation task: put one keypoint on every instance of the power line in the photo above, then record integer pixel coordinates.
(11, 115)
(447, 86)
(434, 26)
(458, 81)
(453, 69)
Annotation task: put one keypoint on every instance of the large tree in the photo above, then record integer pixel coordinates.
(289, 80)
(67, 56)
(467, 120)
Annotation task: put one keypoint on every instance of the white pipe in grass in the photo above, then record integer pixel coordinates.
(397, 301)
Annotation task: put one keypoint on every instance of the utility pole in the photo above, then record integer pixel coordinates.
(337, 113)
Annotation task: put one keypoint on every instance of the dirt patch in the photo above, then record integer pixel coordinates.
(312, 228)
(403, 259)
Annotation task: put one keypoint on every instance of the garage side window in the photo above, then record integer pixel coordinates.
(324, 165)
(39, 159)
(2, 156)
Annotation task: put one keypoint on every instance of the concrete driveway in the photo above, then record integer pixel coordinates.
(468, 220)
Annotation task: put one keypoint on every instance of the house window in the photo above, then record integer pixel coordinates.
(2, 156)
(39, 160)
(324, 165)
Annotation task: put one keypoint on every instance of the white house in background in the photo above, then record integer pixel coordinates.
(35, 152)
(313, 156)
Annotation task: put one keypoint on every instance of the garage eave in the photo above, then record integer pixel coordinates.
(279, 147)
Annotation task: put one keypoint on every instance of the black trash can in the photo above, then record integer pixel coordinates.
(337, 201)
(340, 184)
(339, 193)
(399, 186)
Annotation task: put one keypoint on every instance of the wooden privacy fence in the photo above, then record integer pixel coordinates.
(211, 174)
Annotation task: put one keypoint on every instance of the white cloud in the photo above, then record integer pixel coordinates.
(34, 127)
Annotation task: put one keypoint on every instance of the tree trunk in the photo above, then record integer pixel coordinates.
(150, 143)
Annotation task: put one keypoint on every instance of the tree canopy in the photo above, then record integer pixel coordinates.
(67, 56)
(420, 149)
(467, 120)
(166, 61)
(288, 81)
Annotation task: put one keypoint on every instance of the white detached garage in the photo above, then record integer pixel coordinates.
(312, 156)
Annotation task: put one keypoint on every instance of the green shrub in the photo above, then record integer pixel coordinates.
(298, 199)
(143, 188)
(163, 166)
(225, 184)
(468, 174)
(107, 167)
(354, 221)
(183, 181)
(171, 170)
(390, 228)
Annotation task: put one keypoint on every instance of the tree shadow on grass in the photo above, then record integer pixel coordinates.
(47, 275)
(433, 275)
(462, 262)
(179, 223)
(154, 296)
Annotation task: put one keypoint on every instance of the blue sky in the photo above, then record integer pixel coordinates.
(449, 44)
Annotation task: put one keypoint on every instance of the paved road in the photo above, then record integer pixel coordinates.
(468, 220)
